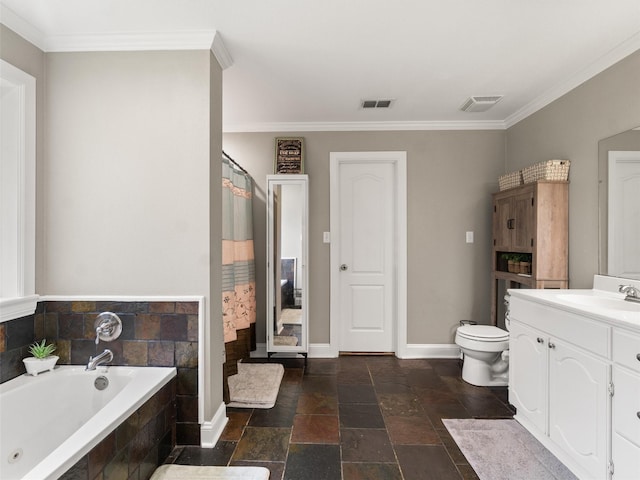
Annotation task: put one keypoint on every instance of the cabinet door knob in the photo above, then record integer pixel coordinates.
(552, 345)
(539, 340)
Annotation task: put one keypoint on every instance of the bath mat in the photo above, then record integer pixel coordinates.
(255, 385)
(282, 340)
(291, 316)
(504, 450)
(192, 472)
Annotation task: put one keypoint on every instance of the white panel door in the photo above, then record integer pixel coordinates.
(624, 214)
(366, 260)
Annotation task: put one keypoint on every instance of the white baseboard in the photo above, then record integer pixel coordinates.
(210, 431)
(316, 350)
(430, 350)
(322, 350)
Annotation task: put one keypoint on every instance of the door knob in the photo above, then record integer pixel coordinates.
(343, 267)
(539, 340)
(552, 345)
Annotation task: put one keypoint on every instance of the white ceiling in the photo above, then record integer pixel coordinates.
(307, 64)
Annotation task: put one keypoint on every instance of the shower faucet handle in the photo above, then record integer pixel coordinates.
(108, 327)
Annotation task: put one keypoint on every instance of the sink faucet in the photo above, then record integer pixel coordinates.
(631, 292)
(104, 357)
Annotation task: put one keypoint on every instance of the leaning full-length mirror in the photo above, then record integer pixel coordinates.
(287, 270)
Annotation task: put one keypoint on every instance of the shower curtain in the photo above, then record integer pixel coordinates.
(238, 267)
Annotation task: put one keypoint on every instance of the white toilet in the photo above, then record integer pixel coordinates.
(486, 355)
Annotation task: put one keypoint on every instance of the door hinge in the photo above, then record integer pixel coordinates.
(532, 202)
(611, 467)
(532, 242)
(611, 389)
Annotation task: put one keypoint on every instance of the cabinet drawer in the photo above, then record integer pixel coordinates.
(626, 349)
(570, 327)
(626, 405)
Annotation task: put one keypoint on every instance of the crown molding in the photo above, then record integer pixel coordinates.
(362, 126)
(220, 51)
(610, 58)
(118, 41)
(198, 40)
(23, 28)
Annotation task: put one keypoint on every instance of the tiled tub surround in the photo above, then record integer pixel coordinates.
(134, 450)
(154, 333)
(137, 409)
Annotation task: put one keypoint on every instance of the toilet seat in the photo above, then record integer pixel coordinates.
(484, 333)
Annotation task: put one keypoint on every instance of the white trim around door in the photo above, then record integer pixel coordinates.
(399, 161)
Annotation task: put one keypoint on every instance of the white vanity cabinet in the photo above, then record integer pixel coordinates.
(578, 405)
(625, 409)
(528, 379)
(559, 383)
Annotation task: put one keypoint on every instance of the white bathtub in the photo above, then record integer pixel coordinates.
(49, 422)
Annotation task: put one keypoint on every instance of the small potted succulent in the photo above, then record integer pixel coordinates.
(42, 359)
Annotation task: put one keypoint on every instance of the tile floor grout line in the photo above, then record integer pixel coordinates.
(326, 385)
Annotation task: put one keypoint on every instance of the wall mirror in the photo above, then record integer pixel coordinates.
(619, 204)
(287, 269)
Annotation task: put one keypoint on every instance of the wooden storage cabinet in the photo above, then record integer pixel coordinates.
(531, 219)
(513, 220)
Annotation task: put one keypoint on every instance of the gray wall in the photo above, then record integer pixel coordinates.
(450, 177)
(570, 128)
(131, 191)
(129, 178)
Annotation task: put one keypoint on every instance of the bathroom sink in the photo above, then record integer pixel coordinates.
(596, 301)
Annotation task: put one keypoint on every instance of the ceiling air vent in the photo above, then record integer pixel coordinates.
(480, 104)
(376, 103)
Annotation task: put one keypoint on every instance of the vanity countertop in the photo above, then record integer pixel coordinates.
(603, 302)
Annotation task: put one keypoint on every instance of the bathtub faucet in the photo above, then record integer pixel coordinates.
(104, 357)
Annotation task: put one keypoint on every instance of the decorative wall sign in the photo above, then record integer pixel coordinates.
(289, 155)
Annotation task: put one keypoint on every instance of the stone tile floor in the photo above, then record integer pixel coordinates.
(356, 417)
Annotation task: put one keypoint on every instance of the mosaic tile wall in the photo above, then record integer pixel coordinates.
(163, 334)
(136, 448)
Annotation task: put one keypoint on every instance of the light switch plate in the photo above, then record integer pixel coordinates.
(326, 237)
(469, 237)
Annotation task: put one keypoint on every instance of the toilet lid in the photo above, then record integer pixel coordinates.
(488, 333)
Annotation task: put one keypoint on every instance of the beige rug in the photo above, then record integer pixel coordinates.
(504, 450)
(255, 385)
(285, 340)
(192, 472)
(291, 316)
